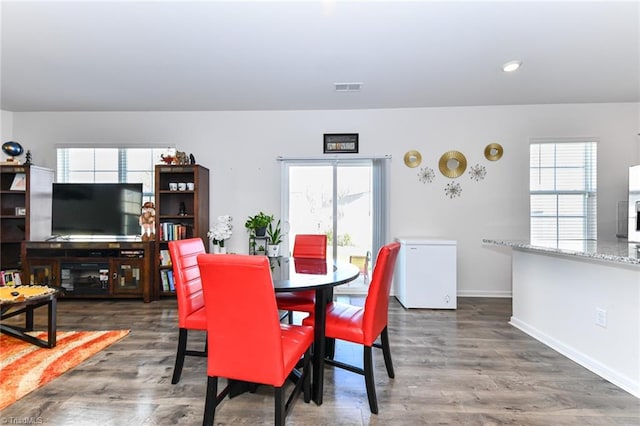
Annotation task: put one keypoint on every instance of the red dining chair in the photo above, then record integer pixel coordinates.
(363, 325)
(308, 246)
(191, 313)
(249, 343)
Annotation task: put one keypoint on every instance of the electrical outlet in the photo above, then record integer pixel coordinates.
(601, 317)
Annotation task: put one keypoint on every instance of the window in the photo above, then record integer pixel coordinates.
(109, 165)
(563, 192)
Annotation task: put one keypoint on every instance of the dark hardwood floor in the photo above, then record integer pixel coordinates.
(462, 367)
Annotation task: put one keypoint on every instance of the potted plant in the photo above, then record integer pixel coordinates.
(275, 238)
(257, 225)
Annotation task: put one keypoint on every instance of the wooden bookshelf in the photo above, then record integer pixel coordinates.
(25, 209)
(182, 209)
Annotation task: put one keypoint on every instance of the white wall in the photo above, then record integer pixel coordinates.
(240, 150)
(6, 126)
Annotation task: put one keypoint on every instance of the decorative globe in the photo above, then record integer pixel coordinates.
(12, 149)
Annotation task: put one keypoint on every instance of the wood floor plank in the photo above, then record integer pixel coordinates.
(461, 367)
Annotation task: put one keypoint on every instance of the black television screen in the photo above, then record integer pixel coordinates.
(96, 209)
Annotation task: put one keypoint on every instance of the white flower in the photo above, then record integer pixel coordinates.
(221, 231)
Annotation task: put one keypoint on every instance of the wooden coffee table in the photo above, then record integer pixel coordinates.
(26, 305)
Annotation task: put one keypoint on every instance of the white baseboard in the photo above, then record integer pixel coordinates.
(482, 293)
(628, 384)
(474, 293)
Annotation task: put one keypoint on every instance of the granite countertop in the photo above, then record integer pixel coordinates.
(617, 251)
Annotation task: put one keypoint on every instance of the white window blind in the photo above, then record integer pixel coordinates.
(563, 192)
(109, 165)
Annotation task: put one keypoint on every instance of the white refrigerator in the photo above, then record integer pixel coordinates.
(425, 275)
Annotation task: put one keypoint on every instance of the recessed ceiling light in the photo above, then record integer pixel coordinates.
(511, 66)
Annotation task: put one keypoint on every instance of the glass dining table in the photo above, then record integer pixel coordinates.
(321, 276)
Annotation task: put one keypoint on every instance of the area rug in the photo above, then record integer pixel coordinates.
(25, 367)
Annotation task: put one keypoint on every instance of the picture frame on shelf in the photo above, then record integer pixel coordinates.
(19, 182)
(340, 143)
(11, 278)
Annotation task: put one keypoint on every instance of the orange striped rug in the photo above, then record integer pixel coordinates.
(25, 367)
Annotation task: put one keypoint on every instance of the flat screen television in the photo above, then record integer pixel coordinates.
(96, 209)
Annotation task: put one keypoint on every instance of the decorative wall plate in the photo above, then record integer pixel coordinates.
(452, 164)
(493, 152)
(412, 158)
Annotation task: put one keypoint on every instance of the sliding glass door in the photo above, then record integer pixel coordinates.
(336, 198)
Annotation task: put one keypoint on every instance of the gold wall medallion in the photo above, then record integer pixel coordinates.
(412, 158)
(452, 164)
(493, 152)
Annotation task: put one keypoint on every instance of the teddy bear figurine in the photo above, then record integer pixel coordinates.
(148, 221)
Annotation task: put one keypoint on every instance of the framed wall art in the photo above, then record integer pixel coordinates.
(340, 143)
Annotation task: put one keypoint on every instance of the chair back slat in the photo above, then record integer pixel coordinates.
(376, 305)
(243, 327)
(311, 246)
(186, 276)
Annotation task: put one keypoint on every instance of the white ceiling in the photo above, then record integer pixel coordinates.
(267, 55)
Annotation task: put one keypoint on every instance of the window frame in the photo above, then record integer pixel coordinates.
(588, 192)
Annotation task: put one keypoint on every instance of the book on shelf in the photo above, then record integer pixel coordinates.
(165, 258)
(172, 285)
(170, 231)
(165, 279)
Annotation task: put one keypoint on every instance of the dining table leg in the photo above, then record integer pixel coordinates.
(51, 322)
(319, 345)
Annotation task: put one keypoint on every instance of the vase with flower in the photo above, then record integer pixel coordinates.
(220, 232)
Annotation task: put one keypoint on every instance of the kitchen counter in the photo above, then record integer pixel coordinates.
(616, 251)
(583, 300)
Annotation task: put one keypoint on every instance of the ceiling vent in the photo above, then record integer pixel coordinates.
(348, 87)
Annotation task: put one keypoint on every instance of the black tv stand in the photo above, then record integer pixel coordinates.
(103, 269)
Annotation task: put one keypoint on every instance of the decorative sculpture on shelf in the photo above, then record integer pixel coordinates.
(148, 221)
(169, 157)
(181, 158)
(12, 149)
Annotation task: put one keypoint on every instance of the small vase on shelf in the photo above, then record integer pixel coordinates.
(223, 250)
(215, 249)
